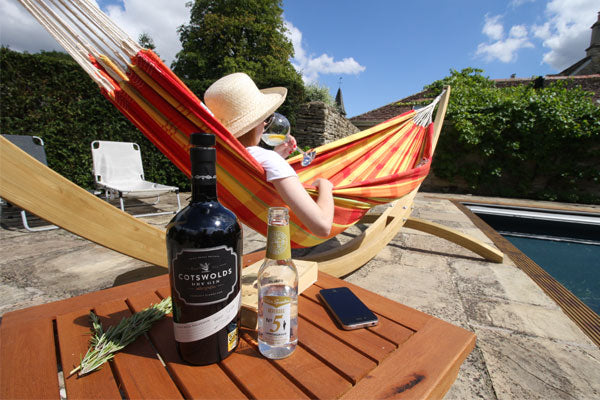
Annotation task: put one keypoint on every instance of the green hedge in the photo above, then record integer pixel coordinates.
(50, 96)
(521, 141)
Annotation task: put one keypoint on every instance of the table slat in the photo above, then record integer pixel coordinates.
(335, 353)
(88, 300)
(409, 317)
(390, 330)
(424, 367)
(259, 378)
(140, 372)
(29, 365)
(208, 381)
(164, 291)
(308, 372)
(375, 347)
(73, 337)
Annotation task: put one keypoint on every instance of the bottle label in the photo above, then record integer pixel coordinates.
(232, 339)
(276, 313)
(203, 328)
(205, 276)
(278, 242)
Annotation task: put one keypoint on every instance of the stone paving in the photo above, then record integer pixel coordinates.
(527, 348)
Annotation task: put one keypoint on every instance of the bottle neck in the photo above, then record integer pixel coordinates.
(204, 176)
(203, 192)
(278, 242)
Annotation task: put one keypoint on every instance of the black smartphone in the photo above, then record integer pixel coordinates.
(348, 310)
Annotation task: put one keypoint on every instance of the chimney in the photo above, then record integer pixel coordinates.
(594, 49)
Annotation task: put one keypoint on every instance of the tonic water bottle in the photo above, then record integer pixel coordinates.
(278, 291)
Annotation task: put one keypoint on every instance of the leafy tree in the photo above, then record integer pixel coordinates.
(226, 36)
(146, 41)
(520, 141)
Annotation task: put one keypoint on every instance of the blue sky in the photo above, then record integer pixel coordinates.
(383, 50)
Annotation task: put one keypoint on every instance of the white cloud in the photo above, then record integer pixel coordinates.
(501, 48)
(517, 3)
(567, 31)
(492, 27)
(518, 31)
(311, 67)
(158, 18)
(21, 32)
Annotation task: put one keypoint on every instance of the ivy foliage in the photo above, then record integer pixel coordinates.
(227, 36)
(50, 96)
(521, 141)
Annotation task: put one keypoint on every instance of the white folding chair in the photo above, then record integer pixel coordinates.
(119, 172)
(34, 146)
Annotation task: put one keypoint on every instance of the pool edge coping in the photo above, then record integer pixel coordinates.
(583, 316)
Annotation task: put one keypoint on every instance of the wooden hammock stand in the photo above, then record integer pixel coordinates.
(36, 188)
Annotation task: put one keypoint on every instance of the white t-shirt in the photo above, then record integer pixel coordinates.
(275, 166)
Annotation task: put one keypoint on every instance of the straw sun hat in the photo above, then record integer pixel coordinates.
(237, 102)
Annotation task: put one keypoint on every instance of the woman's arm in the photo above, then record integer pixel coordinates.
(316, 215)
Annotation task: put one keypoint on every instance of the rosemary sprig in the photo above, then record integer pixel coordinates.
(104, 344)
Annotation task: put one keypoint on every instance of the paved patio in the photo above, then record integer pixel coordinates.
(526, 348)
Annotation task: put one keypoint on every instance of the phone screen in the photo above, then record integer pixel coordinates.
(350, 312)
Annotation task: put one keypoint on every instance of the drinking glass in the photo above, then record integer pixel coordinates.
(277, 131)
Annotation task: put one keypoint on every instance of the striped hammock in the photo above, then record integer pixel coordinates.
(372, 167)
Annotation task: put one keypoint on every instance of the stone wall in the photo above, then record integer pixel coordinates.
(318, 123)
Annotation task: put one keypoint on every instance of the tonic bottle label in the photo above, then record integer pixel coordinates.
(205, 276)
(276, 313)
(278, 242)
(203, 328)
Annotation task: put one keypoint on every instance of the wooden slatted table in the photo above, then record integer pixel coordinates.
(409, 354)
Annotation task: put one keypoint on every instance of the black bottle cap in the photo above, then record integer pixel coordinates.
(202, 139)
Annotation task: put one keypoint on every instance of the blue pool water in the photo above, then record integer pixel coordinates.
(575, 265)
(564, 244)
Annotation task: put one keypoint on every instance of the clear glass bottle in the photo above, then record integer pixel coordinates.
(278, 291)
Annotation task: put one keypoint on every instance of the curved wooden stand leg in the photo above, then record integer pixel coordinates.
(454, 236)
(357, 252)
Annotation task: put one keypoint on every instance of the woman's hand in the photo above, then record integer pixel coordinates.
(323, 185)
(286, 148)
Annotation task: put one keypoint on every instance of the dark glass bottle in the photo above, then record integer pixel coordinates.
(204, 247)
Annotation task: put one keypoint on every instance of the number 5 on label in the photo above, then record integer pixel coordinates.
(275, 322)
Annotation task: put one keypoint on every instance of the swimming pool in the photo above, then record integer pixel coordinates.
(565, 243)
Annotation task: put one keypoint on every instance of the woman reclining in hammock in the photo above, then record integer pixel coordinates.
(244, 109)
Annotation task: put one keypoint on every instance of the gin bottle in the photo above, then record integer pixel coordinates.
(278, 291)
(204, 247)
